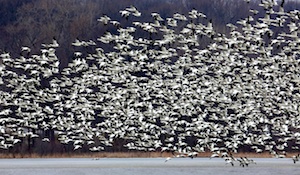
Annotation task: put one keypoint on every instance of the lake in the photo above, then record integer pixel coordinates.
(145, 166)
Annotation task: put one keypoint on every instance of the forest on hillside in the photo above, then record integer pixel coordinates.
(33, 22)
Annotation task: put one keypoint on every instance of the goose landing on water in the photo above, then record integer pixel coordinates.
(167, 159)
(295, 158)
(229, 161)
(249, 161)
(244, 161)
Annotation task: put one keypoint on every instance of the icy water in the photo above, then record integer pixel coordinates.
(145, 166)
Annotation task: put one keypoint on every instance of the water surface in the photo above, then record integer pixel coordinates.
(145, 166)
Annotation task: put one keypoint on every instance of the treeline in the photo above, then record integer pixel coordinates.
(33, 22)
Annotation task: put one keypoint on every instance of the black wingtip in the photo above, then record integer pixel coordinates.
(282, 3)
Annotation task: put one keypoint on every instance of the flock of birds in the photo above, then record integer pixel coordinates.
(227, 157)
(150, 84)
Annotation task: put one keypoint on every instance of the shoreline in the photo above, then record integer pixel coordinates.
(129, 155)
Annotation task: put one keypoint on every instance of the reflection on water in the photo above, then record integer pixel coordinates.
(145, 166)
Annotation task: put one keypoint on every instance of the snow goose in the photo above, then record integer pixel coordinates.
(295, 158)
(167, 159)
(179, 17)
(193, 14)
(156, 16)
(25, 49)
(104, 19)
(171, 22)
(124, 13)
(134, 11)
(229, 161)
(54, 44)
